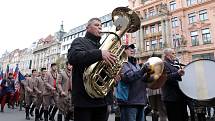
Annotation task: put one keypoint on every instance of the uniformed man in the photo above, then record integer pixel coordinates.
(39, 88)
(34, 80)
(65, 88)
(50, 95)
(29, 94)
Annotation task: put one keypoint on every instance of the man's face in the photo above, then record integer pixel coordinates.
(34, 73)
(44, 72)
(10, 76)
(95, 28)
(69, 67)
(130, 52)
(172, 55)
(54, 68)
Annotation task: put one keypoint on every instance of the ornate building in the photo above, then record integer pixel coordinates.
(47, 51)
(185, 25)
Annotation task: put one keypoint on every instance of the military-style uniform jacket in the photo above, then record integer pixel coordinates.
(29, 85)
(50, 83)
(40, 84)
(65, 81)
(36, 88)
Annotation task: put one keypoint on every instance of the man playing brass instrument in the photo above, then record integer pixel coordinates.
(83, 52)
(131, 89)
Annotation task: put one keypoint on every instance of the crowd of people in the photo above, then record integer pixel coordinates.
(42, 93)
(45, 93)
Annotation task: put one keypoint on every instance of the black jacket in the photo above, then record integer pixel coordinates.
(171, 90)
(83, 52)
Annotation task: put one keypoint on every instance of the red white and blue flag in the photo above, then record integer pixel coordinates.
(16, 72)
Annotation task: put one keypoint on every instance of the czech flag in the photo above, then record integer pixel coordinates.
(16, 72)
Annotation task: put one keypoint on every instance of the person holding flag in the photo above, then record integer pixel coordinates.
(17, 85)
(8, 90)
(21, 79)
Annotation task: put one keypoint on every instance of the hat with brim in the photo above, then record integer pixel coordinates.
(132, 46)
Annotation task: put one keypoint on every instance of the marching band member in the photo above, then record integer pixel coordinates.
(131, 89)
(83, 52)
(173, 97)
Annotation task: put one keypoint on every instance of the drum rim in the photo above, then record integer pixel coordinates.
(198, 60)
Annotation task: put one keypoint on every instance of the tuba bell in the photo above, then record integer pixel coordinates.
(99, 77)
(157, 74)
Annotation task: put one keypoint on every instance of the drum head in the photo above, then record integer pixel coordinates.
(199, 80)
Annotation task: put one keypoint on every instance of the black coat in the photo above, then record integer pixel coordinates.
(83, 52)
(171, 90)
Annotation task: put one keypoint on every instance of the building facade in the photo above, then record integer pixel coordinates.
(25, 60)
(185, 25)
(47, 51)
(21, 58)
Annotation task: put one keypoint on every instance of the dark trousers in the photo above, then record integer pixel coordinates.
(4, 99)
(176, 111)
(90, 114)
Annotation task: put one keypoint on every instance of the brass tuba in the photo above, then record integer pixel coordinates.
(99, 77)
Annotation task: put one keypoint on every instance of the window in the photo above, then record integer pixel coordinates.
(153, 30)
(174, 22)
(64, 47)
(110, 23)
(201, 1)
(145, 14)
(191, 2)
(172, 5)
(176, 40)
(161, 43)
(203, 15)
(192, 17)
(151, 12)
(153, 44)
(146, 30)
(206, 36)
(159, 28)
(104, 25)
(147, 46)
(194, 38)
(203, 56)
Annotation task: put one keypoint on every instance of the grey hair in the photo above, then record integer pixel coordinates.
(166, 51)
(91, 21)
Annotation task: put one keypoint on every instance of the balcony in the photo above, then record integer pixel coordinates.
(208, 41)
(146, 54)
(149, 35)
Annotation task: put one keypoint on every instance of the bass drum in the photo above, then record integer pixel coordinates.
(199, 80)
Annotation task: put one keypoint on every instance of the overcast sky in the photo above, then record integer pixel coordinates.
(24, 21)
